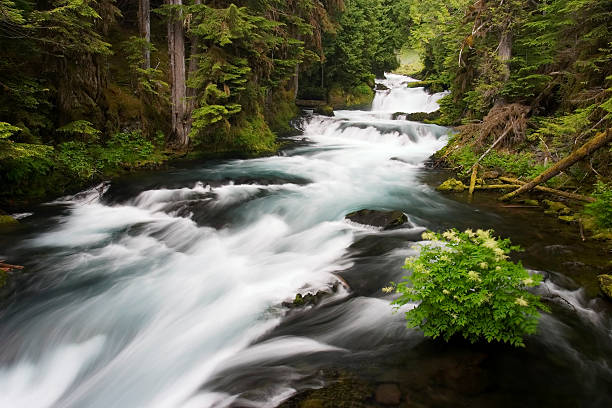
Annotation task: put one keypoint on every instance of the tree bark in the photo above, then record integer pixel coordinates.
(505, 51)
(599, 140)
(144, 27)
(560, 193)
(176, 49)
(193, 67)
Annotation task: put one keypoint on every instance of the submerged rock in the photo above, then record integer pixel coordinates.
(453, 185)
(568, 219)
(383, 219)
(388, 394)
(556, 208)
(311, 299)
(605, 283)
(528, 201)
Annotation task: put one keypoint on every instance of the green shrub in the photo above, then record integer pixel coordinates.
(465, 285)
(77, 158)
(126, 148)
(601, 209)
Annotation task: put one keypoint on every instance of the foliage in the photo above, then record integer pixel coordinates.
(466, 285)
(7, 130)
(81, 128)
(363, 43)
(519, 164)
(601, 209)
(146, 81)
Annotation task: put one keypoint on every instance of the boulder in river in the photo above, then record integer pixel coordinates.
(605, 283)
(381, 87)
(384, 219)
(453, 185)
(325, 110)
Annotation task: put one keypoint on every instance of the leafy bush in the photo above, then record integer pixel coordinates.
(126, 148)
(81, 128)
(601, 209)
(7, 130)
(77, 158)
(465, 285)
(519, 164)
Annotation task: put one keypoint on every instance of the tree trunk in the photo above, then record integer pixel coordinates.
(599, 140)
(504, 51)
(296, 81)
(144, 26)
(176, 49)
(193, 67)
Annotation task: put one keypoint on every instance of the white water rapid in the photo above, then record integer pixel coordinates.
(167, 290)
(150, 303)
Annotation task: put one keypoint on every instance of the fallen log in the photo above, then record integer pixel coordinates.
(599, 140)
(497, 186)
(572, 196)
(473, 180)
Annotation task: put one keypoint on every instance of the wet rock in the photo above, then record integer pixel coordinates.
(342, 390)
(311, 299)
(312, 403)
(388, 394)
(385, 219)
(556, 208)
(423, 116)
(453, 185)
(568, 219)
(398, 115)
(487, 175)
(605, 284)
(325, 110)
(382, 87)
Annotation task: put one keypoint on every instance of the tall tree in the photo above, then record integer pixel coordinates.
(176, 49)
(144, 27)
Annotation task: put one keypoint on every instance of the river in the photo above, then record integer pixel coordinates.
(166, 289)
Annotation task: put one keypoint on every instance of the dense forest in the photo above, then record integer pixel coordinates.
(91, 88)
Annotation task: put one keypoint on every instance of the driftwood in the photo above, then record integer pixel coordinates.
(599, 140)
(8, 267)
(554, 191)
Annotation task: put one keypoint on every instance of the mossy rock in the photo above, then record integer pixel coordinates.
(325, 110)
(568, 219)
(360, 96)
(556, 208)
(423, 116)
(453, 185)
(605, 283)
(7, 220)
(342, 390)
(531, 202)
(491, 174)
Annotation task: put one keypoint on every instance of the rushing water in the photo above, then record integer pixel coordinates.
(166, 290)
